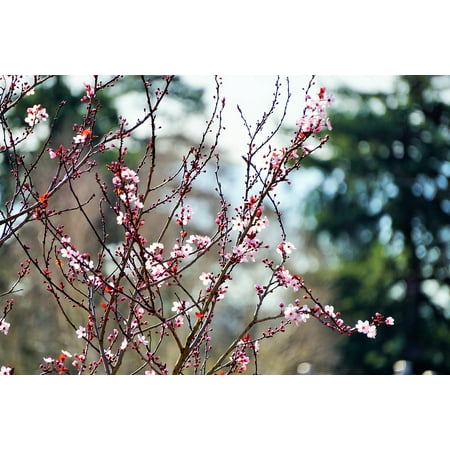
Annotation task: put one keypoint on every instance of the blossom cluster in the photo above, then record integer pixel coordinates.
(315, 116)
(125, 182)
(78, 262)
(90, 93)
(370, 328)
(249, 224)
(35, 115)
(239, 359)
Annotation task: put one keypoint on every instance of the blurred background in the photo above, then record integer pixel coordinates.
(369, 215)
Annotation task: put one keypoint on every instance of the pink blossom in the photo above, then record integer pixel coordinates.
(296, 314)
(90, 91)
(206, 278)
(366, 328)
(362, 327)
(35, 115)
(156, 250)
(81, 332)
(238, 224)
(315, 115)
(260, 224)
(94, 280)
(79, 139)
(240, 358)
(119, 218)
(142, 340)
(66, 240)
(372, 331)
(4, 326)
(179, 306)
(201, 241)
(5, 370)
(129, 175)
(285, 248)
(389, 321)
(329, 310)
(178, 322)
(181, 252)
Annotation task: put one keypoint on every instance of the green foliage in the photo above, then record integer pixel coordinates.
(383, 208)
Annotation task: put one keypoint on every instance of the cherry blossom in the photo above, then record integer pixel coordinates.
(6, 370)
(4, 326)
(366, 328)
(285, 248)
(315, 116)
(180, 306)
(206, 278)
(35, 115)
(79, 139)
(296, 314)
(81, 332)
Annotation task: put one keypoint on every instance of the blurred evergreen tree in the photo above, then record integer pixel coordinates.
(381, 213)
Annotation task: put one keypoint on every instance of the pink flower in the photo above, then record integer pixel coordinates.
(201, 241)
(296, 314)
(315, 116)
(5, 370)
(372, 331)
(119, 218)
(329, 310)
(238, 224)
(178, 322)
(366, 328)
(179, 306)
(90, 91)
(362, 327)
(206, 278)
(141, 340)
(389, 321)
(4, 326)
(79, 139)
(35, 115)
(81, 332)
(285, 248)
